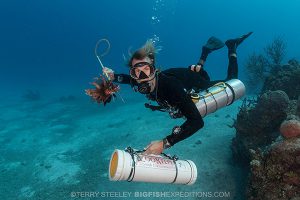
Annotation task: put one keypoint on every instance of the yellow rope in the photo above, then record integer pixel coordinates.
(222, 86)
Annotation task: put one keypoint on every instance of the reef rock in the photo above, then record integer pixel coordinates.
(258, 123)
(275, 173)
(286, 78)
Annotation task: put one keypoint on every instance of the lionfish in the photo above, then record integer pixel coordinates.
(104, 90)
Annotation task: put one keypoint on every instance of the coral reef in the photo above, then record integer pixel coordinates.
(286, 78)
(258, 122)
(261, 66)
(268, 137)
(255, 67)
(275, 173)
(275, 52)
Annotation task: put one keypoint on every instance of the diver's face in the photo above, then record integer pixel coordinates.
(142, 69)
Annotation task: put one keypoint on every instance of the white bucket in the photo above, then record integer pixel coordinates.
(218, 96)
(151, 168)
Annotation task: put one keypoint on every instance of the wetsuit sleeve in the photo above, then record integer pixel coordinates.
(124, 79)
(193, 122)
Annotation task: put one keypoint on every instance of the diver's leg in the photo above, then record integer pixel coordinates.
(211, 45)
(232, 71)
(232, 45)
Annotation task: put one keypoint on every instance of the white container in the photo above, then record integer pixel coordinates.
(151, 168)
(218, 96)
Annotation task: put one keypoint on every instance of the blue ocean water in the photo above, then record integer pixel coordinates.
(49, 46)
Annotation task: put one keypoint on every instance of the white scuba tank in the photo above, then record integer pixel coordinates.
(218, 96)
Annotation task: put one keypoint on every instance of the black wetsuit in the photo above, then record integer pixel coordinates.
(170, 93)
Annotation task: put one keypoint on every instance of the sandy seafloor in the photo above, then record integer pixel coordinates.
(50, 148)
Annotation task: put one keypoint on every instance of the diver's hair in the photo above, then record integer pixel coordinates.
(147, 50)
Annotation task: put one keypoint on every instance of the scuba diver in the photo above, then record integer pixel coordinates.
(171, 88)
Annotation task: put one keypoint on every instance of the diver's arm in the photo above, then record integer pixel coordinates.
(193, 122)
(195, 68)
(118, 78)
(122, 78)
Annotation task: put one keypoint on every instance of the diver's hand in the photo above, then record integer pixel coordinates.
(109, 73)
(195, 68)
(155, 147)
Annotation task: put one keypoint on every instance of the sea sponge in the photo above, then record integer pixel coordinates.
(290, 128)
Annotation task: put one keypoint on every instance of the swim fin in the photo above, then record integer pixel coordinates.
(233, 43)
(213, 44)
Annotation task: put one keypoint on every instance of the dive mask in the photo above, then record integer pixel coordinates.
(142, 71)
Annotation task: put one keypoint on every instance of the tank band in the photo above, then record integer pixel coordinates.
(233, 93)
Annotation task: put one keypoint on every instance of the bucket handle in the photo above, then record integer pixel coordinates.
(130, 150)
(133, 152)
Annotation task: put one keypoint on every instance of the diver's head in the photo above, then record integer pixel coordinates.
(147, 52)
(142, 68)
(145, 75)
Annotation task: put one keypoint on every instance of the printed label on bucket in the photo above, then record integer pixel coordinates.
(155, 162)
